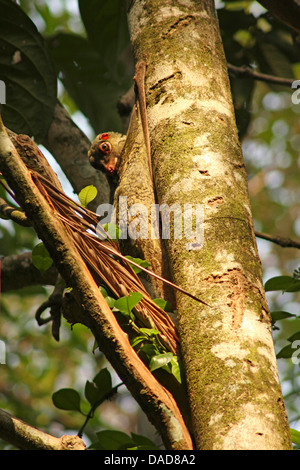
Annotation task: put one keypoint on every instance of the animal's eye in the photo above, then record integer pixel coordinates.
(105, 147)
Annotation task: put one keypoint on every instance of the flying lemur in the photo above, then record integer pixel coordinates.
(105, 151)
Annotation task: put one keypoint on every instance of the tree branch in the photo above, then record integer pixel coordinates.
(284, 242)
(26, 437)
(247, 72)
(18, 271)
(13, 214)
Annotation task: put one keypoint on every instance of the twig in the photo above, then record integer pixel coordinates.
(284, 242)
(90, 414)
(13, 214)
(247, 72)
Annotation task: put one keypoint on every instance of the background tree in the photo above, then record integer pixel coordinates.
(94, 81)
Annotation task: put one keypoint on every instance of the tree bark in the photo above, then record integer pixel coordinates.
(26, 437)
(233, 385)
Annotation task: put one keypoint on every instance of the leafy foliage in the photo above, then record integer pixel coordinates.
(96, 392)
(28, 73)
(95, 69)
(146, 340)
(286, 284)
(261, 43)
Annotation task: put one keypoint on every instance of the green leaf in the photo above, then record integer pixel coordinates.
(106, 25)
(137, 340)
(143, 442)
(103, 291)
(149, 331)
(92, 393)
(175, 368)
(160, 360)
(294, 337)
(67, 399)
(113, 231)
(103, 381)
(283, 283)
(295, 287)
(127, 303)
(97, 391)
(149, 349)
(28, 73)
(110, 300)
(112, 440)
(87, 195)
(41, 258)
(295, 435)
(280, 315)
(142, 262)
(286, 352)
(117, 440)
(164, 304)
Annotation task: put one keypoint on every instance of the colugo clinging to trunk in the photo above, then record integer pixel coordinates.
(124, 161)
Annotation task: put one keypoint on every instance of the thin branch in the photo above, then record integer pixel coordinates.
(247, 72)
(13, 214)
(284, 242)
(26, 437)
(18, 271)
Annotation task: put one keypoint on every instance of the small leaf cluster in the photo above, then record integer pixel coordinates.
(146, 341)
(96, 392)
(284, 284)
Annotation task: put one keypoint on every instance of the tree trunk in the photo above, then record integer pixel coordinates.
(233, 385)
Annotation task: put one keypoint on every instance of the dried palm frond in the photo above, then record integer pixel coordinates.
(105, 261)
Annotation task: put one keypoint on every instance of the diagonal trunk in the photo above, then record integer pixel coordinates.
(234, 390)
